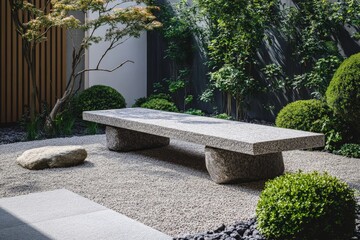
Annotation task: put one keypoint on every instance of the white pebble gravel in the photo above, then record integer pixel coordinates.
(167, 188)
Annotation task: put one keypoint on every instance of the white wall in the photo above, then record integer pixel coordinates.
(131, 79)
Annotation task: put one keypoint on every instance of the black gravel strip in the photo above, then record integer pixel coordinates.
(11, 135)
(17, 133)
(246, 230)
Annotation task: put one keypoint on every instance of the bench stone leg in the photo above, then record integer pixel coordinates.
(124, 140)
(227, 166)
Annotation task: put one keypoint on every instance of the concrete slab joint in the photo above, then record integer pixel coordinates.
(227, 166)
(61, 214)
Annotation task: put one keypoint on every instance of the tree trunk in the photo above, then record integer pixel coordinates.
(29, 50)
(238, 107)
(33, 93)
(60, 103)
(228, 104)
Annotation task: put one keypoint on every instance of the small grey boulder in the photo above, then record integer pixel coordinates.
(52, 157)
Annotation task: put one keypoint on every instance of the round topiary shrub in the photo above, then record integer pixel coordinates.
(306, 206)
(160, 104)
(99, 97)
(343, 93)
(306, 115)
(143, 100)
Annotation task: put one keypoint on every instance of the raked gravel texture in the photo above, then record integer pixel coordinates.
(167, 188)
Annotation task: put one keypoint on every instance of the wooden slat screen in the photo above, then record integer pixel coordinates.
(14, 72)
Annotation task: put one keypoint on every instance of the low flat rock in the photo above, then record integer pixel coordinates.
(52, 157)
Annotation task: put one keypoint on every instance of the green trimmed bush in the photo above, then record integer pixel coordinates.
(306, 115)
(306, 206)
(223, 116)
(196, 112)
(160, 104)
(350, 150)
(343, 93)
(99, 97)
(143, 100)
(315, 116)
(139, 102)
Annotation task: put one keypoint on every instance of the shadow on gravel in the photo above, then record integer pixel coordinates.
(30, 186)
(253, 186)
(174, 155)
(194, 161)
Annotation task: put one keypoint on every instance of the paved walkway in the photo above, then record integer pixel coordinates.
(62, 214)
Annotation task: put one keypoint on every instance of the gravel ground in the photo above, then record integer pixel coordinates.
(167, 189)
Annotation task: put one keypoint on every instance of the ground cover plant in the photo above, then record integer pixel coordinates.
(350, 150)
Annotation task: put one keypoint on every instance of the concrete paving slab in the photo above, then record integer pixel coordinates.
(22, 218)
(38, 207)
(253, 139)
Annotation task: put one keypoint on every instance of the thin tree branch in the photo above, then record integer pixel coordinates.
(104, 70)
(106, 51)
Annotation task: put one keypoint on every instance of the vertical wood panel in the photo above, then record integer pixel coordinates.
(47, 69)
(57, 60)
(53, 67)
(14, 75)
(20, 68)
(63, 62)
(26, 102)
(15, 82)
(2, 65)
(8, 65)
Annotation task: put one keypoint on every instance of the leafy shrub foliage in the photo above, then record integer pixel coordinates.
(223, 116)
(306, 206)
(193, 111)
(143, 100)
(350, 150)
(343, 93)
(315, 116)
(99, 97)
(160, 104)
(306, 115)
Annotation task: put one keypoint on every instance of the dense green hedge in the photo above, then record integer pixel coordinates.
(98, 97)
(143, 100)
(306, 115)
(160, 104)
(343, 93)
(307, 207)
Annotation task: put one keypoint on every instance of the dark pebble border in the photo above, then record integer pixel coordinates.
(246, 230)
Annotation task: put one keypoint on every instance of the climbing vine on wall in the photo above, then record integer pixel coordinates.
(235, 30)
(231, 34)
(312, 28)
(177, 34)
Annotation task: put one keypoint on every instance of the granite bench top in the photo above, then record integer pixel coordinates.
(253, 139)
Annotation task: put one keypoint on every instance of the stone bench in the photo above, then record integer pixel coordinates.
(234, 151)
